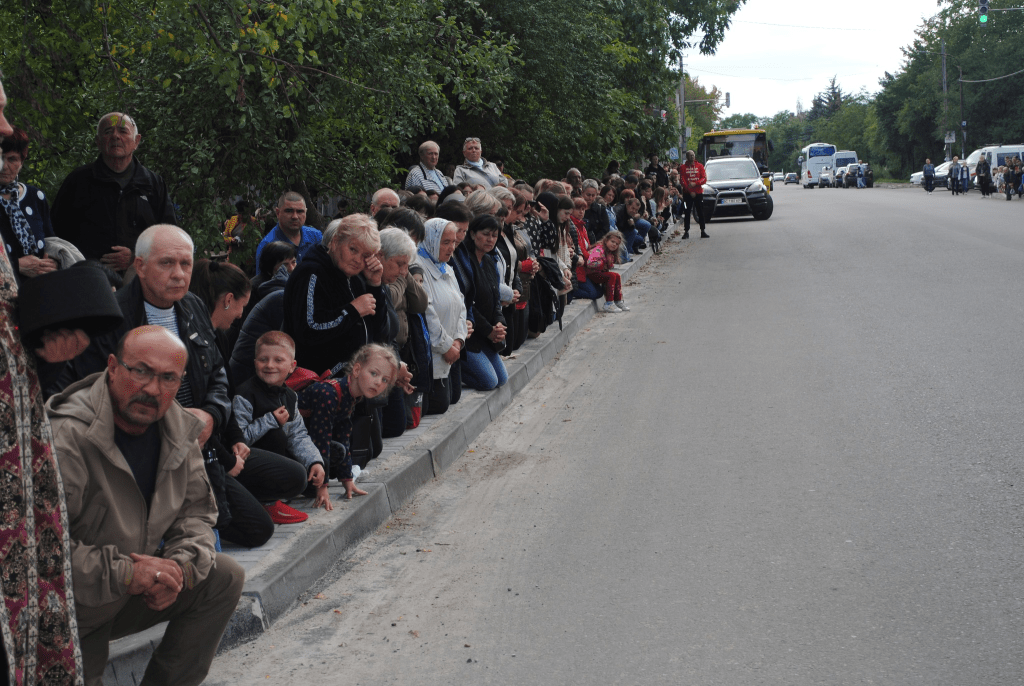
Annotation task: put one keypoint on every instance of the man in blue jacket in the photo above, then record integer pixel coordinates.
(291, 226)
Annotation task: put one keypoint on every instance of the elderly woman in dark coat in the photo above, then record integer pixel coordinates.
(24, 212)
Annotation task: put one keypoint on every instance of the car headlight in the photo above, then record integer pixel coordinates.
(755, 187)
(710, 190)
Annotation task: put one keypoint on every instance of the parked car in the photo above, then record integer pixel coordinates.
(840, 174)
(826, 178)
(850, 177)
(735, 188)
(790, 178)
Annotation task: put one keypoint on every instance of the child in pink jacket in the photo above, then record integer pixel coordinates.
(600, 269)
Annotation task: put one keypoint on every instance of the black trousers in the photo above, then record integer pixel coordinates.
(392, 415)
(447, 391)
(696, 201)
(267, 477)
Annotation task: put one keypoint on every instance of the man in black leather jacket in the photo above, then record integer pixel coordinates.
(161, 289)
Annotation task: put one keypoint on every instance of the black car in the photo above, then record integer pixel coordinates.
(735, 188)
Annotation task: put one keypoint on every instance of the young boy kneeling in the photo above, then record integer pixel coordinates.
(267, 411)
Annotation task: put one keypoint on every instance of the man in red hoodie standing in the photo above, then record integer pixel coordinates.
(693, 178)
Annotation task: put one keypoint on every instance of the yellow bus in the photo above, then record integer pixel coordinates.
(753, 143)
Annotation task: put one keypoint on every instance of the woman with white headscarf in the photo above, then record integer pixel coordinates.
(446, 313)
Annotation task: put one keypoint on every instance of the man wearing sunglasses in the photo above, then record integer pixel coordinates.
(477, 170)
(141, 511)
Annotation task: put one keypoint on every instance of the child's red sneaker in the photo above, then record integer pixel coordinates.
(283, 514)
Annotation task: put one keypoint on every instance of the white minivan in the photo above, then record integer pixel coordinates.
(844, 158)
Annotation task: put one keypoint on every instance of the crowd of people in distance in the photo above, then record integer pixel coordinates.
(217, 388)
(1004, 179)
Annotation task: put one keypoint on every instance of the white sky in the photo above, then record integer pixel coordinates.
(767, 60)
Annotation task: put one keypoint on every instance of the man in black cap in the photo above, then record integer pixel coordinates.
(104, 206)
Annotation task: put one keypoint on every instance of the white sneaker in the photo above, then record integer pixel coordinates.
(621, 304)
(610, 307)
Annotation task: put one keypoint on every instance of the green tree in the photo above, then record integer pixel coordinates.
(331, 97)
(248, 99)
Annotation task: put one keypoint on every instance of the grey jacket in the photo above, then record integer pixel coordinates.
(489, 176)
(107, 513)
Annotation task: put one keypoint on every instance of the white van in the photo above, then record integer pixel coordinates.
(844, 158)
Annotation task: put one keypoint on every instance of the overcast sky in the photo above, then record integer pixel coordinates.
(773, 54)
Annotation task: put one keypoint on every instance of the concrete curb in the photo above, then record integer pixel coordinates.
(276, 587)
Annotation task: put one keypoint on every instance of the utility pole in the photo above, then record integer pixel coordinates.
(945, 101)
(963, 122)
(682, 108)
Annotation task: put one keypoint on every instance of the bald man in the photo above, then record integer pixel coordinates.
(140, 512)
(102, 207)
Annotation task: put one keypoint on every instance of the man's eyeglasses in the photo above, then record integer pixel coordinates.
(471, 140)
(143, 375)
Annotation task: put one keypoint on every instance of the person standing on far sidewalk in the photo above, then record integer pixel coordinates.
(982, 175)
(954, 175)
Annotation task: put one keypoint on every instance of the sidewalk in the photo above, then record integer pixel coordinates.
(299, 554)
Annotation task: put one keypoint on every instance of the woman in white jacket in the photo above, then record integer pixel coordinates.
(446, 313)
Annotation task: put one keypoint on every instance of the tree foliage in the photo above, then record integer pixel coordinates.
(332, 97)
(912, 114)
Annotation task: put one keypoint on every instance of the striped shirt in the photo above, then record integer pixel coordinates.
(426, 179)
(167, 318)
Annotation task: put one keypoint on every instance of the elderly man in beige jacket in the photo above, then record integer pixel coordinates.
(140, 511)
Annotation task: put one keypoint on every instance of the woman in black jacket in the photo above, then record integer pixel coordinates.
(477, 260)
(334, 302)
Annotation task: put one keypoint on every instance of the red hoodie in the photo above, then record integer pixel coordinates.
(693, 177)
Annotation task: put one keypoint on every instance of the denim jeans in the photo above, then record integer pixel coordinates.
(587, 290)
(642, 227)
(628, 238)
(484, 370)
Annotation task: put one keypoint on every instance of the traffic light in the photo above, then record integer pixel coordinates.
(983, 12)
(727, 95)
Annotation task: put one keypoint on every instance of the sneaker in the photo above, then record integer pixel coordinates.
(283, 514)
(621, 304)
(609, 307)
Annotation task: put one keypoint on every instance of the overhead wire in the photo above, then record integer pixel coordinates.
(996, 78)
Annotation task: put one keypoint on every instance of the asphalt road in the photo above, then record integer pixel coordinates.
(795, 461)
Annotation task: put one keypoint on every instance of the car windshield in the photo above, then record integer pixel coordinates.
(732, 169)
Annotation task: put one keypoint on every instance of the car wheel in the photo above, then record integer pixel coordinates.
(769, 208)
